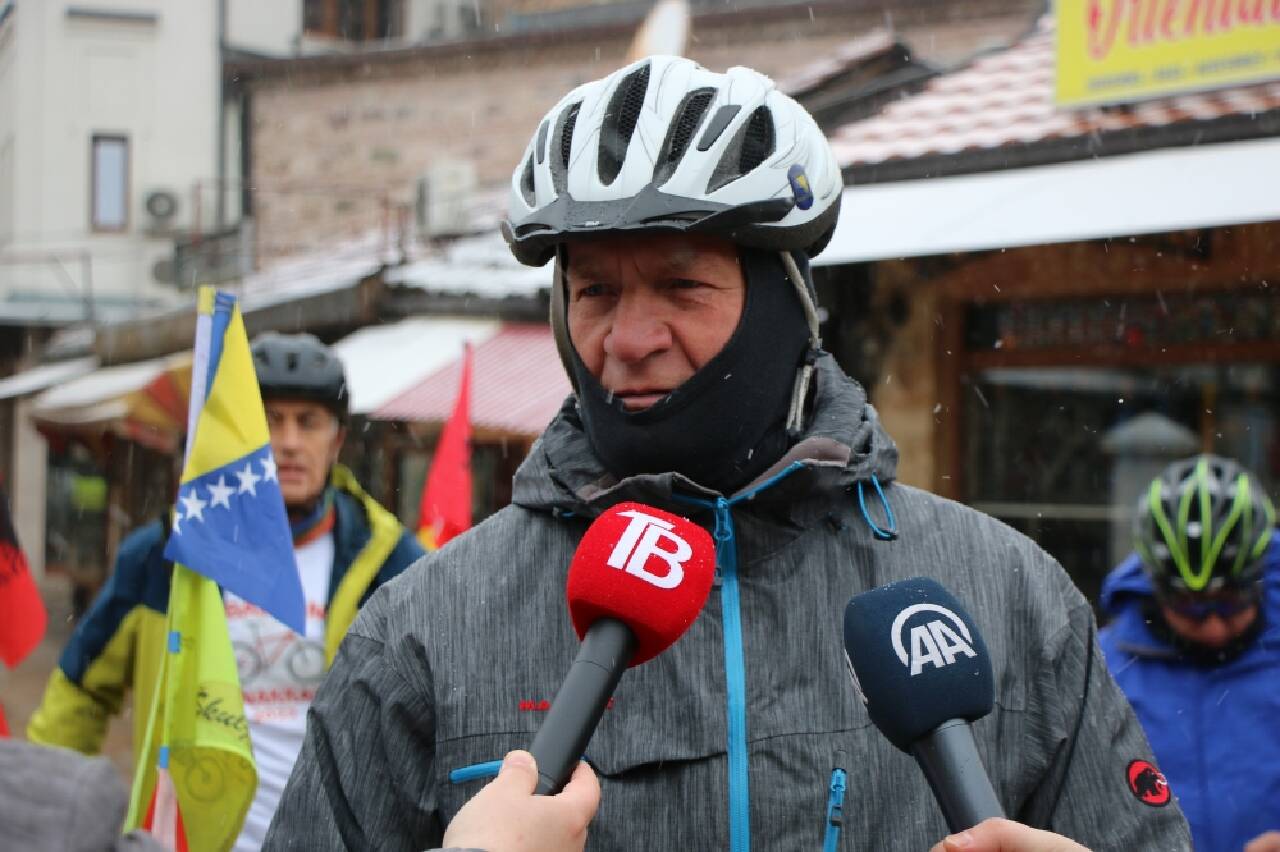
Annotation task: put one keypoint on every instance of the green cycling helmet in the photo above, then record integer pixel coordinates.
(1203, 525)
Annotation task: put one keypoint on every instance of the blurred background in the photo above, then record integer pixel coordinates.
(1057, 267)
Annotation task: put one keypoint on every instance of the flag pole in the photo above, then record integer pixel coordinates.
(158, 723)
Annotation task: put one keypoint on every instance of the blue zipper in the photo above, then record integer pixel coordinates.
(475, 771)
(835, 810)
(735, 669)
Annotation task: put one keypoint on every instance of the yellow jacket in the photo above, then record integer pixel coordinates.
(118, 644)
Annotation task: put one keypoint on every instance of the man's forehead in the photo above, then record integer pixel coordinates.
(295, 407)
(668, 253)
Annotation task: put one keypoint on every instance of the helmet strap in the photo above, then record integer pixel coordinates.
(804, 373)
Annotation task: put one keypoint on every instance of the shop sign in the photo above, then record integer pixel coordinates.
(1113, 51)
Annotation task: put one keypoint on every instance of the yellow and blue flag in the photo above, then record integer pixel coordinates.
(197, 777)
(230, 523)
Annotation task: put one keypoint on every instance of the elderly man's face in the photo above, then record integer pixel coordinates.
(305, 440)
(647, 312)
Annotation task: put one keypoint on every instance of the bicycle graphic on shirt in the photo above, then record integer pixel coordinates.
(303, 658)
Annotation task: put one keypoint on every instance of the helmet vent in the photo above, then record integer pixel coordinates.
(757, 143)
(751, 147)
(564, 133)
(526, 182)
(689, 116)
(541, 145)
(620, 122)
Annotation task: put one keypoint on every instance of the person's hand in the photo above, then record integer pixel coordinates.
(506, 817)
(1266, 842)
(1001, 835)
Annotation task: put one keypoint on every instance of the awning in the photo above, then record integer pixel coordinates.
(383, 361)
(1152, 192)
(518, 385)
(44, 376)
(138, 401)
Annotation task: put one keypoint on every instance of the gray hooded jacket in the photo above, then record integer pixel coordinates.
(747, 732)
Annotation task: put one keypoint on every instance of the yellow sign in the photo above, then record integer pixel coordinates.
(1113, 51)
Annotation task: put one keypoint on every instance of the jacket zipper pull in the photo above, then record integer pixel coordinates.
(835, 810)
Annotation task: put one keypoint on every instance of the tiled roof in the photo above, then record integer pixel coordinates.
(1007, 99)
(517, 387)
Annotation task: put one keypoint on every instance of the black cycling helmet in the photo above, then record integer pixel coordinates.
(1202, 526)
(299, 366)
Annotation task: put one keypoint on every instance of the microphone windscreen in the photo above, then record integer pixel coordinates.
(917, 659)
(647, 568)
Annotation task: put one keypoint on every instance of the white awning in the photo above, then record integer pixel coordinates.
(1151, 192)
(45, 376)
(384, 360)
(100, 395)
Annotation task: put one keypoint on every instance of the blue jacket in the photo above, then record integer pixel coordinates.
(1215, 730)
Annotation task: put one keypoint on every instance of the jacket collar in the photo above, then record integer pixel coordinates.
(843, 443)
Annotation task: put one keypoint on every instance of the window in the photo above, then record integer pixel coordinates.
(353, 20)
(109, 204)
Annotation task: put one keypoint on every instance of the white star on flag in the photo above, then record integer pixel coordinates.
(195, 506)
(177, 524)
(248, 480)
(220, 493)
(269, 469)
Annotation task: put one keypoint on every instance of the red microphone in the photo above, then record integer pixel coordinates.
(637, 582)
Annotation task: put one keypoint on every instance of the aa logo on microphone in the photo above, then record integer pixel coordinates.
(646, 538)
(936, 643)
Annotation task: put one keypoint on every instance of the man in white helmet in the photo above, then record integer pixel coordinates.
(681, 207)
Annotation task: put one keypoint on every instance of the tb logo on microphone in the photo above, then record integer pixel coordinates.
(937, 643)
(641, 541)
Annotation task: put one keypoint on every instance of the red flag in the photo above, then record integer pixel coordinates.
(22, 615)
(4, 724)
(445, 510)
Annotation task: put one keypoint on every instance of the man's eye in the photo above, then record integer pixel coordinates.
(685, 284)
(590, 291)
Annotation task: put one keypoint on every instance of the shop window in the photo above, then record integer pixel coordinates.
(109, 196)
(1062, 453)
(76, 521)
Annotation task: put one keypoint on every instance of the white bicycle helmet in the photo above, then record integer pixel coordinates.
(664, 144)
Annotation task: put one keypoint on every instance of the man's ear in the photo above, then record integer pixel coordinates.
(339, 439)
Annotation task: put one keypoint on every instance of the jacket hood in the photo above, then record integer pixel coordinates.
(843, 443)
(1127, 585)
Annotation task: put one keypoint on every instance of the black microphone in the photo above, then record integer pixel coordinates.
(922, 669)
(638, 580)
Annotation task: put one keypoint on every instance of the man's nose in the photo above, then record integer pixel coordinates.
(638, 330)
(1214, 631)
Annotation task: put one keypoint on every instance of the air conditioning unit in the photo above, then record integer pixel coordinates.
(444, 197)
(162, 210)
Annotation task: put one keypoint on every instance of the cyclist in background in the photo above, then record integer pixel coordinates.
(345, 545)
(1194, 642)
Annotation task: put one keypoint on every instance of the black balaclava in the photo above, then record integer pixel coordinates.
(727, 422)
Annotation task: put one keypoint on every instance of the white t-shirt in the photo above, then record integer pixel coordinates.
(279, 673)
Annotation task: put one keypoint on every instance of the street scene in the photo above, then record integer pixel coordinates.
(635, 424)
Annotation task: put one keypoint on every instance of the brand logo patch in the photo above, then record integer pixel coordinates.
(639, 542)
(1147, 784)
(800, 186)
(936, 643)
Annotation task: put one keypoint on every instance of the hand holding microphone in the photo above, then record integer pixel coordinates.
(922, 669)
(507, 816)
(638, 580)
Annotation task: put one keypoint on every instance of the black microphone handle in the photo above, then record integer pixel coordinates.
(578, 706)
(950, 761)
